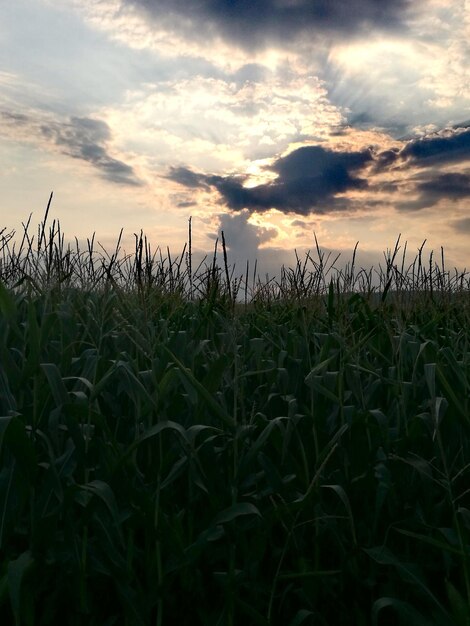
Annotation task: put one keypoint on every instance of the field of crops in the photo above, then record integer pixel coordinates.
(170, 454)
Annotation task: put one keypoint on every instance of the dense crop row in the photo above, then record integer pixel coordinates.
(168, 461)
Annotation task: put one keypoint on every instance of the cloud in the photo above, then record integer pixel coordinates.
(447, 146)
(452, 186)
(227, 121)
(251, 73)
(399, 80)
(243, 240)
(10, 117)
(314, 179)
(299, 223)
(252, 25)
(421, 167)
(308, 180)
(81, 138)
(241, 235)
(85, 139)
(447, 185)
(462, 225)
(187, 177)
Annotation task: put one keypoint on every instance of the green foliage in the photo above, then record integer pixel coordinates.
(166, 460)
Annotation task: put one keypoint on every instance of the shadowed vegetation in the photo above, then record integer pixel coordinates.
(182, 445)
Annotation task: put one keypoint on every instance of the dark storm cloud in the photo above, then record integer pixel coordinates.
(251, 24)
(85, 139)
(308, 179)
(187, 177)
(241, 236)
(447, 185)
(314, 179)
(449, 146)
(386, 158)
(439, 149)
(329, 170)
(451, 186)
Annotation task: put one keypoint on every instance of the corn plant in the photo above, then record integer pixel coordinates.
(171, 454)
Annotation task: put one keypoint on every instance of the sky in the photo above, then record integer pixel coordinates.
(274, 121)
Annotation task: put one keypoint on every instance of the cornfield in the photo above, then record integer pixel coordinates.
(173, 452)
